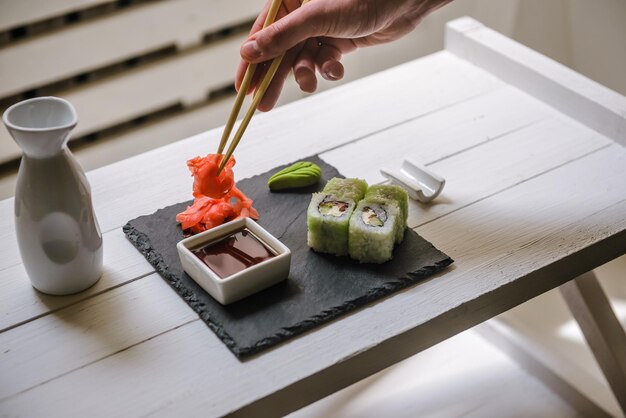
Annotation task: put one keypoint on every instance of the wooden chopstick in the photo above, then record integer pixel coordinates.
(247, 79)
(265, 83)
(251, 110)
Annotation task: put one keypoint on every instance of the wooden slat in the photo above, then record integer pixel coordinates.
(562, 141)
(86, 46)
(100, 324)
(22, 12)
(437, 135)
(186, 78)
(483, 265)
(596, 106)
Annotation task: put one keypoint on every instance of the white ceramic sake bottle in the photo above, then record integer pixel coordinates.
(57, 231)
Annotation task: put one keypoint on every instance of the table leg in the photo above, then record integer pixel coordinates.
(603, 332)
(537, 360)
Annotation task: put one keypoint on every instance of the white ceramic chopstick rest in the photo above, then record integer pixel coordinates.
(420, 183)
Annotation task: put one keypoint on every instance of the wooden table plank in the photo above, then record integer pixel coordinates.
(500, 164)
(87, 332)
(437, 135)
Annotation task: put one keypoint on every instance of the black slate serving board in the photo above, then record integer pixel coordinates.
(320, 287)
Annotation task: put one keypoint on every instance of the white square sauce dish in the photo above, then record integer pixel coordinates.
(234, 260)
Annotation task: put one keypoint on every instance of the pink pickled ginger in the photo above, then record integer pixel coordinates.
(217, 200)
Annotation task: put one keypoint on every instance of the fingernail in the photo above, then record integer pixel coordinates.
(251, 49)
(298, 74)
(331, 75)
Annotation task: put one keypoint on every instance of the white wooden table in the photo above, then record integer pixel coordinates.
(536, 196)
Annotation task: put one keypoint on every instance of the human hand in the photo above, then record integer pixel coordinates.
(315, 36)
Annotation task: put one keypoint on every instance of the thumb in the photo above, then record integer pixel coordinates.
(309, 20)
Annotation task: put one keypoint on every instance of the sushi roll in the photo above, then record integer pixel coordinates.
(385, 193)
(328, 219)
(328, 215)
(353, 189)
(372, 231)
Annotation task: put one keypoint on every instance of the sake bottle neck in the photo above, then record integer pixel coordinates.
(41, 126)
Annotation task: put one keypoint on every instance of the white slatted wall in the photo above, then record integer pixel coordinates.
(118, 62)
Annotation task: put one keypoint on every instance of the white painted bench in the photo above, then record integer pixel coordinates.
(536, 196)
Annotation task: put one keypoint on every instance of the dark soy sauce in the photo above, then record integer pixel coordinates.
(234, 253)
